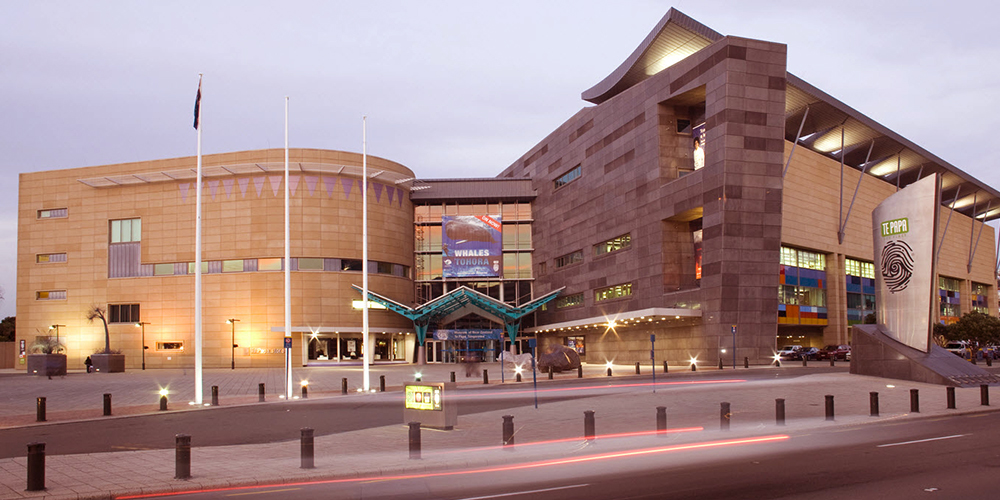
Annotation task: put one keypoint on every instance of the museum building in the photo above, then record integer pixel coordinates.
(707, 197)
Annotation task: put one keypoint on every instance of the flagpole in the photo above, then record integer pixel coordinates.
(366, 352)
(197, 262)
(288, 275)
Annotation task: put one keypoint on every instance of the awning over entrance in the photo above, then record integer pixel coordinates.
(460, 302)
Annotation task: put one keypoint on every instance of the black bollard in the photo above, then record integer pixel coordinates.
(720, 363)
(40, 409)
(107, 405)
(664, 366)
(260, 392)
(163, 402)
(873, 403)
(182, 457)
(637, 368)
(550, 374)
(486, 377)
(694, 366)
(829, 407)
(452, 376)
(724, 417)
(746, 362)
(579, 371)
(508, 430)
(989, 360)
(984, 395)
(609, 371)
(777, 362)
(305, 391)
(951, 398)
(381, 381)
(805, 360)
(833, 360)
(343, 385)
(661, 420)
(36, 466)
(517, 377)
(414, 440)
(779, 411)
(588, 425)
(914, 400)
(215, 395)
(306, 448)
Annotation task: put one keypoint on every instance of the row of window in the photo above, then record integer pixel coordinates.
(509, 211)
(600, 295)
(602, 248)
(275, 264)
(570, 176)
(53, 213)
(427, 238)
(516, 265)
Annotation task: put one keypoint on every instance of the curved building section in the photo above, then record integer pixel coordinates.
(122, 237)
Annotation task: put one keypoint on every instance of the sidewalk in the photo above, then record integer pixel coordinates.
(383, 451)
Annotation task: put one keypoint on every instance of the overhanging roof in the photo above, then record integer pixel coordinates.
(893, 158)
(462, 300)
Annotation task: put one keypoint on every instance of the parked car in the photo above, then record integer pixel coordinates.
(841, 351)
(807, 353)
(958, 347)
(788, 351)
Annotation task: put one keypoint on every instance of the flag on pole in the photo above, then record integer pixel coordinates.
(197, 105)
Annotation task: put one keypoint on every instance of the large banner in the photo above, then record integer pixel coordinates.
(904, 228)
(472, 246)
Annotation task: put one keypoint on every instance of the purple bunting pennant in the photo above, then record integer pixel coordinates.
(311, 184)
(330, 182)
(293, 183)
(275, 183)
(348, 184)
(378, 190)
(244, 182)
(259, 184)
(228, 184)
(184, 186)
(213, 187)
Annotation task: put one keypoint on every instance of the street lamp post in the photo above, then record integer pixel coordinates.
(56, 328)
(232, 321)
(142, 324)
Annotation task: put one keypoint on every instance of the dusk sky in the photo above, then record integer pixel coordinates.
(451, 89)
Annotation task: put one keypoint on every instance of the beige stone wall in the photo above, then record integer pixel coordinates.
(323, 224)
(811, 216)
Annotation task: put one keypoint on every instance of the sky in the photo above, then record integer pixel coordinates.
(450, 88)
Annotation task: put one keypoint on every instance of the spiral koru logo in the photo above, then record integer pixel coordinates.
(897, 265)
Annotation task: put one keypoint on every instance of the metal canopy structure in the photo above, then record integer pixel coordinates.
(869, 146)
(461, 302)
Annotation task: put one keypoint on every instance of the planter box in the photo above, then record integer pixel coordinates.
(47, 364)
(108, 363)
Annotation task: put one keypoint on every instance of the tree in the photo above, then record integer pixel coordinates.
(96, 312)
(7, 329)
(977, 328)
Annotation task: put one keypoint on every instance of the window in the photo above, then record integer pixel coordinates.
(53, 213)
(951, 299)
(612, 292)
(123, 313)
(268, 264)
(51, 295)
(802, 289)
(232, 266)
(45, 258)
(980, 298)
(350, 265)
(165, 269)
(860, 286)
(204, 267)
(570, 300)
(568, 177)
(310, 264)
(613, 245)
(577, 344)
(177, 345)
(570, 258)
(517, 265)
(384, 268)
(126, 230)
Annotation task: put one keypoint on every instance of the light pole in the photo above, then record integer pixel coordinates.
(232, 321)
(56, 328)
(142, 324)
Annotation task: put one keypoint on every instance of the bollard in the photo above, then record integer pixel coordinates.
(163, 402)
(951, 398)
(182, 457)
(508, 430)
(833, 360)
(989, 360)
(517, 377)
(550, 374)
(579, 371)
(777, 362)
(452, 376)
(873, 403)
(779, 411)
(914, 400)
(984, 395)
(107, 404)
(637, 368)
(215, 395)
(805, 360)
(486, 377)
(305, 391)
(609, 371)
(40, 408)
(343, 385)
(694, 367)
(260, 392)
(661, 420)
(829, 407)
(381, 381)
(588, 425)
(746, 362)
(306, 448)
(36, 466)
(724, 417)
(414, 440)
(720, 363)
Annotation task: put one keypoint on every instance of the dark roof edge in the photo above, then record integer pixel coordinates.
(602, 91)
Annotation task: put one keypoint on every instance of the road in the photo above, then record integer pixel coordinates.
(945, 457)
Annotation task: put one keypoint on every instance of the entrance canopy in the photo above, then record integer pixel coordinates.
(461, 302)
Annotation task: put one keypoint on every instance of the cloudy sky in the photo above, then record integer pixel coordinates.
(450, 88)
